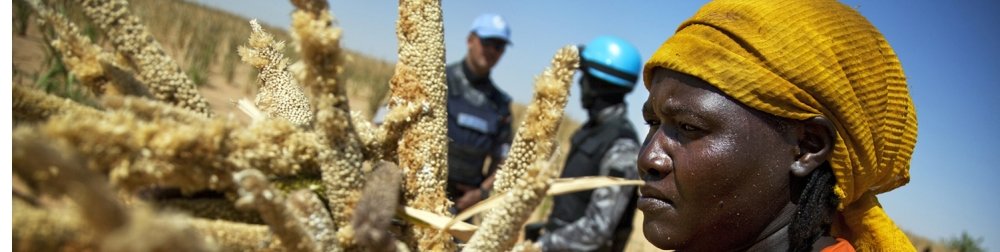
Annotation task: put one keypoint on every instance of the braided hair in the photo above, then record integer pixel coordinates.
(815, 212)
(816, 203)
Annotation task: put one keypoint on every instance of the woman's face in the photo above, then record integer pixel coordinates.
(717, 172)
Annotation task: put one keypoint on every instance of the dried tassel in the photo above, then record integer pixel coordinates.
(130, 38)
(318, 42)
(528, 172)
(279, 95)
(420, 79)
(534, 139)
(312, 6)
(94, 68)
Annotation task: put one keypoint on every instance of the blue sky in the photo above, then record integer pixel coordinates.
(949, 51)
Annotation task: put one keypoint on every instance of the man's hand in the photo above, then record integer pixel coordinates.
(471, 197)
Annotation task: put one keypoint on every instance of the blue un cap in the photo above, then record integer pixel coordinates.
(491, 26)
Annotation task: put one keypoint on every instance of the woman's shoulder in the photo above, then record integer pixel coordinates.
(840, 245)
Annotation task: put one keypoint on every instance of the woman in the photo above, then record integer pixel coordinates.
(773, 125)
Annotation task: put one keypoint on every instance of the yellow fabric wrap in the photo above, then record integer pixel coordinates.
(799, 59)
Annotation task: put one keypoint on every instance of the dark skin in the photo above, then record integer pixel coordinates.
(484, 53)
(721, 176)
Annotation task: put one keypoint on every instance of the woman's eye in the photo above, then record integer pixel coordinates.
(688, 127)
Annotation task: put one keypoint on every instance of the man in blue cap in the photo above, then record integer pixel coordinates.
(479, 115)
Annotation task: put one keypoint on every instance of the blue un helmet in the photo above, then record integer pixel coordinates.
(612, 59)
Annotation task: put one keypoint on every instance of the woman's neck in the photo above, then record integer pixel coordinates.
(775, 235)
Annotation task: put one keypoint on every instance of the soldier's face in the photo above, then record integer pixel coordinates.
(485, 53)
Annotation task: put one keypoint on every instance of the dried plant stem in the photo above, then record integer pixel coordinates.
(42, 161)
(138, 153)
(318, 42)
(278, 148)
(130, 38)
(367, 133)
(52, 163)
(381, 142)
(149, 110)
(501, 226)
(525, 246)
(420, 79)
(219, 208)
(150, 231)
(37, 229)
(310, 211)
(255, 192)
(233, 236)
(32, 105)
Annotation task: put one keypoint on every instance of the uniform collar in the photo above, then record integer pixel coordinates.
(613, 112)
(473, 79)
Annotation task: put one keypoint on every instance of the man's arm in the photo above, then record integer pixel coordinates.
(606, 207)
(505, 137)
(497, 157)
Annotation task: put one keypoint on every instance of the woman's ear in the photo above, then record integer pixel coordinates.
(815, 145)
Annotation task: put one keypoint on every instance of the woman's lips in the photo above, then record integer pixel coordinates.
(653, 204)
(651, 200)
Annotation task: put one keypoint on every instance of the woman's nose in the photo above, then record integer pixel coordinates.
(654, 162)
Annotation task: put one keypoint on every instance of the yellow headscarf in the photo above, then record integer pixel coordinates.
(804, 58)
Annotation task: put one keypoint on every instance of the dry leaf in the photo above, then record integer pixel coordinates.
(460, 230)
(570, 185)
